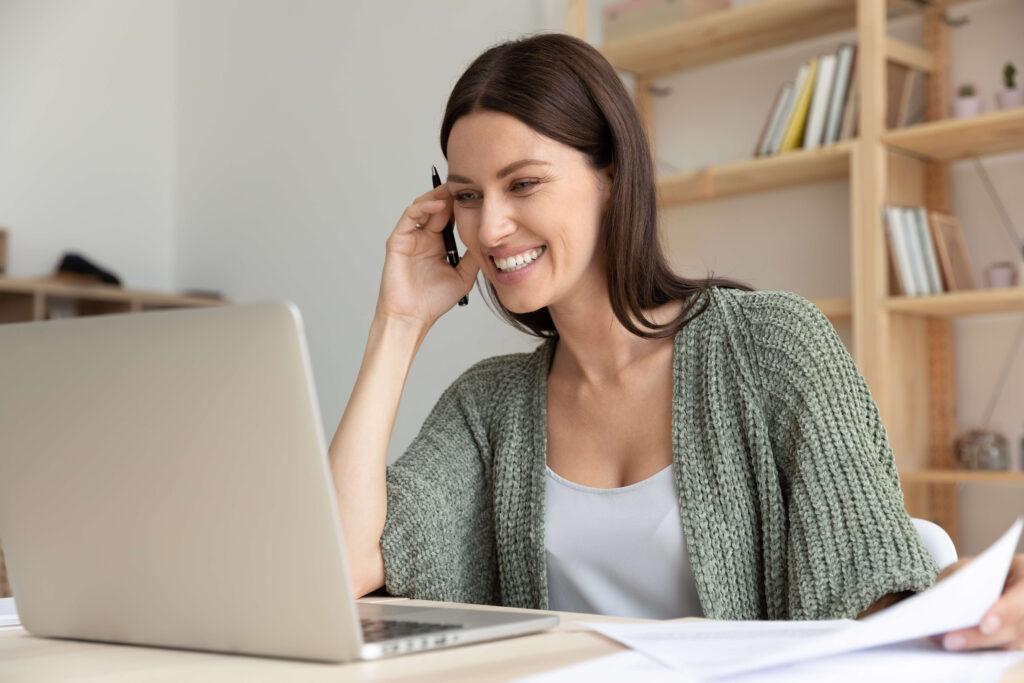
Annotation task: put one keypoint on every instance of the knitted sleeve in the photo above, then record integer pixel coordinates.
(438, 537)
(850, 540)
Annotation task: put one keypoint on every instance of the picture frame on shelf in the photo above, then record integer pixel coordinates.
(951, 246)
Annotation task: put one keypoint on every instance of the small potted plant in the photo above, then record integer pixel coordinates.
(967, 102)
(1011, 95)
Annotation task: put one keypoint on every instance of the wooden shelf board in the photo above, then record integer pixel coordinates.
(962, 477)
(733, 32)
(798, 167)
(952, 304)
(951, 139)
(835, 309)
(99, 293)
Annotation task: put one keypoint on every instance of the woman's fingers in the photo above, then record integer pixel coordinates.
(1003, 624)
(430, 211)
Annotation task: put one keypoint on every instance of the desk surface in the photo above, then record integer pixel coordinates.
(27, 659)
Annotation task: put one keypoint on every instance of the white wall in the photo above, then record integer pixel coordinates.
(87, 135)
(305, 130)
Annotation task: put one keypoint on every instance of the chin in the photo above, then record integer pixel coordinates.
(518, 304)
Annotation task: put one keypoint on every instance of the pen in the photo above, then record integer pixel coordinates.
(448, 234)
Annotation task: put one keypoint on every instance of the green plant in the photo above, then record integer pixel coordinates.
(966, 90)
(1009, 71)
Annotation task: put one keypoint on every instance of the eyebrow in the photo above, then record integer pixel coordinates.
(515, 165)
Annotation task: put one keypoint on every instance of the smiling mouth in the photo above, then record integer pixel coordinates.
(513, 266)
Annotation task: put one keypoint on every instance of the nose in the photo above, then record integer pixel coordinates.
(496, 222)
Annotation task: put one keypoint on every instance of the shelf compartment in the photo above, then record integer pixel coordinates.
(953, 476)
(951, 139)
(798, 167)
(734, 32)
(953, 304)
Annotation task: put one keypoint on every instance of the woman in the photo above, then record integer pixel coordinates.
(674, 447)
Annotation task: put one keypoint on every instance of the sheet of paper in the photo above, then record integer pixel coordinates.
(8, 613)
(711, 649)
(701, 649)
(917, 661)
(958, 601)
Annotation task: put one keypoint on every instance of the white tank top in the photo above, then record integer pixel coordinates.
(618, 551)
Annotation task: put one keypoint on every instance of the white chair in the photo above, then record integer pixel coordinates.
(937, 541)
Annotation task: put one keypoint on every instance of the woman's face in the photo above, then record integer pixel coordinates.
(519, 194)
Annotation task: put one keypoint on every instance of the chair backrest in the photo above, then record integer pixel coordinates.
(937, 541)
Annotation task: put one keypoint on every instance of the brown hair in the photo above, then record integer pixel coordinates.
(567, 91)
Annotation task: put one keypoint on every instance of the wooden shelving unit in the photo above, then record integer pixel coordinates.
(800, 167)
(903, 345)
(955, 304)
(27, 299)
(730, 33)
(30, 299)
(993, 133)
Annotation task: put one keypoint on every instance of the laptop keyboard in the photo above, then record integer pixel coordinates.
(375, 630)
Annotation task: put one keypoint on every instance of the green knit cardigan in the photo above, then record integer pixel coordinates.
(788, 493)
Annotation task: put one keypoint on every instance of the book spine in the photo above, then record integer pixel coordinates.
(764, 141)
(898, 252)
(914, 249)
(839, 93)
(795, 130)
(801, 77)
(819, 101)
(930, 260)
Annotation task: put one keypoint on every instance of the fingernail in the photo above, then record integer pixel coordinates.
(990, 624)
(954, 642)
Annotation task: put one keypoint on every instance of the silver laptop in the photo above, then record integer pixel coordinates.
(164, 481)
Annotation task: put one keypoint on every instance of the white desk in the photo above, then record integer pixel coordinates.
(26, 659)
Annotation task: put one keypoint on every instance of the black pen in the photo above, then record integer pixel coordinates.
(448, 234)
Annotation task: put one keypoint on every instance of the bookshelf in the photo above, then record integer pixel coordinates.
(30, 299)
(903, 345)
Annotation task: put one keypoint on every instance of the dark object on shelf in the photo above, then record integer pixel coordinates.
(76, 264)
(983, 449)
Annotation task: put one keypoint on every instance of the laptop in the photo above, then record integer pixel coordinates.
(164, 481)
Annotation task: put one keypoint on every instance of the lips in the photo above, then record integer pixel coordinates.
(505, 265)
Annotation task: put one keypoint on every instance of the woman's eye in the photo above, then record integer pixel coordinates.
(463, 197)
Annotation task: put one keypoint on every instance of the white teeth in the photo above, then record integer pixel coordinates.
(518, 261)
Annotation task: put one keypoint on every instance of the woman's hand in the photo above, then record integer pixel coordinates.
(418, 284)
(1003, 625)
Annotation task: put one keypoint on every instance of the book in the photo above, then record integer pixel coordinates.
(774, 117)
(819, 101)
(848, 127)
(920, 218)
(798, 120)
(845, 57)
(915, 249)
(787, 114)
(898, 252)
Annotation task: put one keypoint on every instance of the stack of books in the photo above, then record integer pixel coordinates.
(819, 107)
(912, 250)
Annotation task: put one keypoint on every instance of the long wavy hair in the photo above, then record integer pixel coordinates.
(566, 90)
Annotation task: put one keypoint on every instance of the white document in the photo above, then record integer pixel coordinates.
(701, 649)
(712, 649)
(919, 661)
(8, 613)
